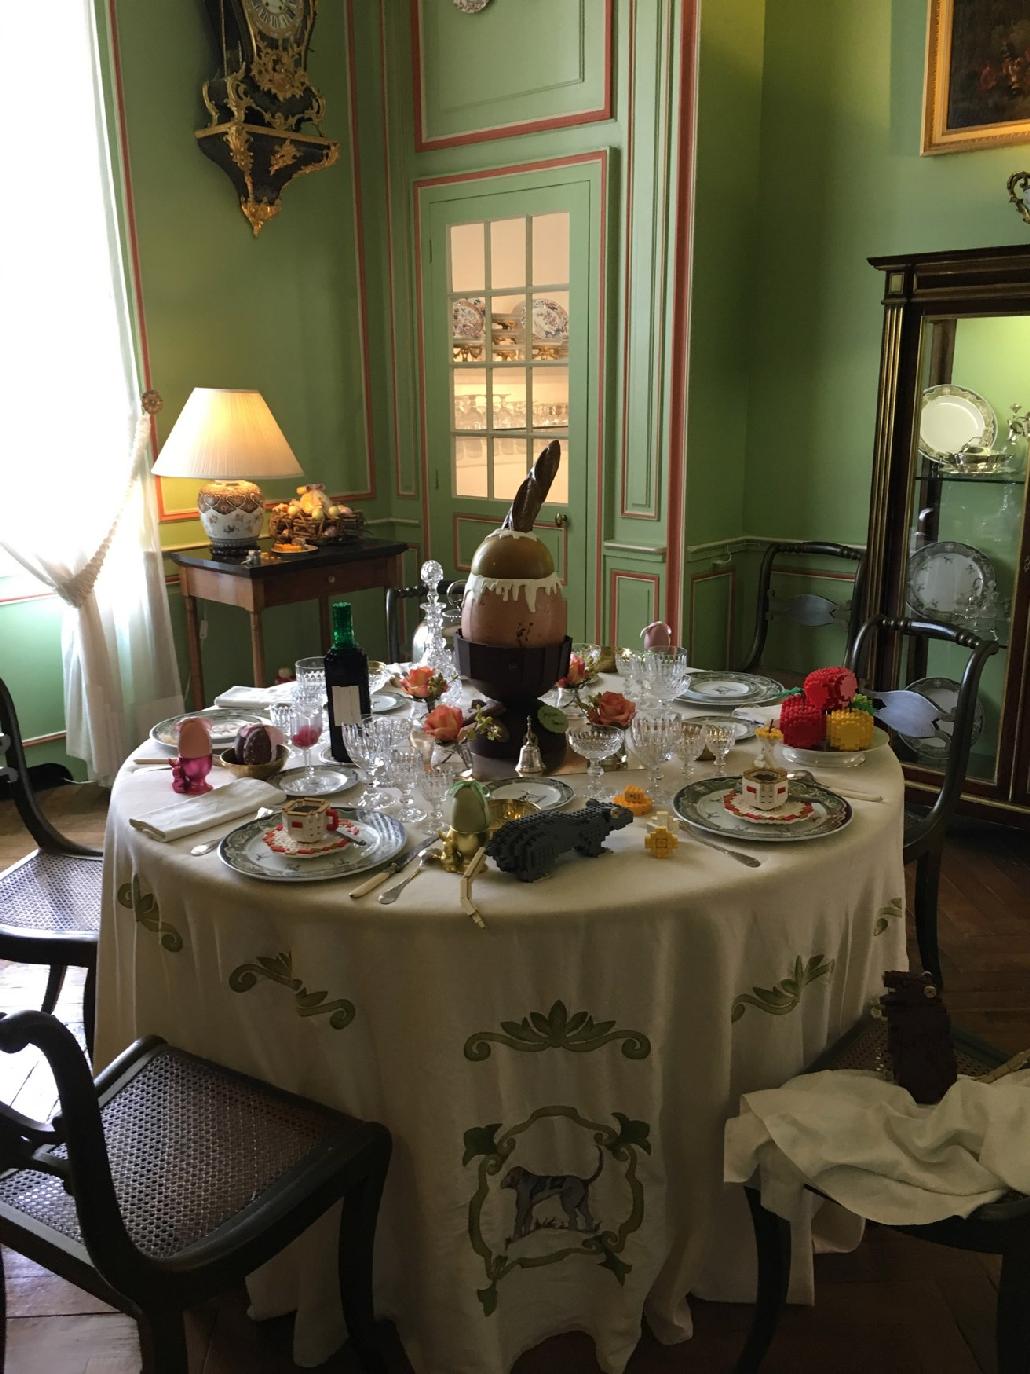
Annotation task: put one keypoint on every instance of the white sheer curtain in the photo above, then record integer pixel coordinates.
(77, 506)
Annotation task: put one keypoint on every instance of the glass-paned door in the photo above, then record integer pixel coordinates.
(510, 340)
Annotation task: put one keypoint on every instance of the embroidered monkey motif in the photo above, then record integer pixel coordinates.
(571, 1191)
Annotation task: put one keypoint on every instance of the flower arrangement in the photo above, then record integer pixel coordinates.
(578, 673)
(448, 725)
(610, 708)
(423, 684)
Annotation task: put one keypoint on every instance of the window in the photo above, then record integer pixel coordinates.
(508, 283)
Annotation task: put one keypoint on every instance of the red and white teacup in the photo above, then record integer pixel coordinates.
(307, 821)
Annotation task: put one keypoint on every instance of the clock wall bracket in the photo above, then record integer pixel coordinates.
(260, 99)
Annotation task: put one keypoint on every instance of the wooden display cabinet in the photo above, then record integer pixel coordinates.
(962, 320)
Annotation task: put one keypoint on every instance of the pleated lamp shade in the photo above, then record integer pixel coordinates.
(227, 437)
(222, 434)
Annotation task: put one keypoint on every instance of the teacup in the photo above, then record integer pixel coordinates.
(307, 821)
(765, 788)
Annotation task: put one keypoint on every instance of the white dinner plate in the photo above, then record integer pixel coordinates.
(244, 850)
(546, 794)
(729, 689)
(951, 417)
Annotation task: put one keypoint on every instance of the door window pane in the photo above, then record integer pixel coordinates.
(559, 493)
(468, 258)
(508, 253)
(551, 397)
(468, 328)
(471, 469)
(510, 466)
(551, 326)
(469, 398)
(551, 249)
(509, 398)
(507, 327)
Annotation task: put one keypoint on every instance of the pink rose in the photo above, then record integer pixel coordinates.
(611, 708)
(444, 724)
(577, 673)
(422, 683)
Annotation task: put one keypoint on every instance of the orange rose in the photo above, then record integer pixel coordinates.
(422, 683)
(577, 673)
(444, 724)
(611, 708)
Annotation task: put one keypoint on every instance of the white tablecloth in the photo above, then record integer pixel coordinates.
(556, 1085)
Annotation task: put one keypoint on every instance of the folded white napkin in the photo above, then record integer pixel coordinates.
(189, 814)
(865, 1143)
(254, 698)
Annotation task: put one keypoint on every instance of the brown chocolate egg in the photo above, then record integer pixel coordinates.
(513, 595)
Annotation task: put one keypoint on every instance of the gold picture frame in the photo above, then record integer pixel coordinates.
(977, 92)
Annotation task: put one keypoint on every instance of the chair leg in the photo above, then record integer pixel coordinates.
(772, 1242)
(162, 1341)
(928, 879)
(3, 1316)
(1012, 1334)
(357, 1245)
(54, 984)
(89, 1008)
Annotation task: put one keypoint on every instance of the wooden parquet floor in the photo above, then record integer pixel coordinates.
(896, 1305)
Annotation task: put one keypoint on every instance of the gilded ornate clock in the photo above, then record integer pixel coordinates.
(261, 98)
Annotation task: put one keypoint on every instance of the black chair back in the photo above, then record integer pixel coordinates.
(395, 597)
(807, 609)
(929, 829)
(14, 769)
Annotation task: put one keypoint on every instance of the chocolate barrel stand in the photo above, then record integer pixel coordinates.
(516, 678)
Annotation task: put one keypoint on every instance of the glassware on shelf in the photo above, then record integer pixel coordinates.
(652, 737)
(595, 743)
(719, 739)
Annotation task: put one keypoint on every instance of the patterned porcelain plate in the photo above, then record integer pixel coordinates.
(547, 794)
(550, 320)
(951, 416)
(943, 692)
(468, 318)
(703, 805)
(384, 701)
(225, 725)
(729, 689)
(244, 849)
(744, 729)
(951, 581)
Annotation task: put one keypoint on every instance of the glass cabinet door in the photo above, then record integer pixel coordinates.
(967, 507)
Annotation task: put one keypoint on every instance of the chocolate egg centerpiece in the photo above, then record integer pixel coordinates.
(513, 595)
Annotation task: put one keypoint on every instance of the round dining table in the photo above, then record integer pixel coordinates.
(556, 1082)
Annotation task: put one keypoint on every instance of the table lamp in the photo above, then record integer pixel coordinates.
(227, 436)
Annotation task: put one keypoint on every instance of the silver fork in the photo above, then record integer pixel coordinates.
(392, 893)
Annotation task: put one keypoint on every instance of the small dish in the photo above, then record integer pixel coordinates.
(342, 838)
(546, 794)
(254, 770)
(294, 550)
(333, 777)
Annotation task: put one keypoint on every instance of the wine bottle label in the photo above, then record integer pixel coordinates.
(346, 705)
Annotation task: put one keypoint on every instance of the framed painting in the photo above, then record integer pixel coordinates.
(977, 75)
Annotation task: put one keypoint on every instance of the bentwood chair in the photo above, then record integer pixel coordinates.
(171, 1178)
(998, 1228)
(806, 609)
(49, 901)
(396, 651)
(926, 828)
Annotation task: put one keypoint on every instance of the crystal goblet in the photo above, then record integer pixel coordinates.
(403, 771)
(595, 743)
(433, 784)
(691, 744)
(720, 739)
(309, 678)
(664, 673)
(306, 731)
(653, 736)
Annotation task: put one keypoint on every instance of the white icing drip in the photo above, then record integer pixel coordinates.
(512, 534)
(511, 588)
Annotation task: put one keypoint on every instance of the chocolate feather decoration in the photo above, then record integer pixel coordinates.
(532, 494)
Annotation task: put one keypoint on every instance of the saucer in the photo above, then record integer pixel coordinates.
(278, 841)
(792, 810)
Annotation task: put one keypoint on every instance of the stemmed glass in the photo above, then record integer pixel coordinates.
(594, 743)
(310, 678)
(720, 739)
(665, 671)
(404, 770)
(630, 668)
(691, 745)
(433, 784)
(306, 731)
(360, 742)
(652, 738)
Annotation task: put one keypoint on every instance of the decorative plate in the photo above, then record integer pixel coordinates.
(550, 320)
(468, 318)
(744, 729)
(835, 758)
(952, 416)
(943, 692)
(244, 850)
(225, 725)
(384, 701)
(787, 814)
(729, 689)
(278, 842)
(703, 805)
(950, 581)
(332, 777)
(546, 794)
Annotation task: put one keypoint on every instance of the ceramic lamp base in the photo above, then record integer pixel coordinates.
(232, 514)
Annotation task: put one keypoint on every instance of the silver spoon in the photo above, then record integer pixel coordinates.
(803, 775)
(206, 848)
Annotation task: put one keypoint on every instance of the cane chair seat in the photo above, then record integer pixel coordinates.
(865, 1047)
(192, 1147)
(52, 894)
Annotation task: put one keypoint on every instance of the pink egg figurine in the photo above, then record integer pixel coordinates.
(190, 769)
(657, 635)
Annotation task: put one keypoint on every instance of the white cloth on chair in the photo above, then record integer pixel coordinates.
(868, 1145)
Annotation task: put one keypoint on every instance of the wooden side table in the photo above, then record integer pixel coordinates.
(331, 572)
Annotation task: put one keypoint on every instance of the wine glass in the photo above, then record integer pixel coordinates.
(665, 671)
(653, 737)
(720, 738)
(404, 770)
(359, 745)
(433, 784)
(594, 743)
(629, 667)
(691, 744)
(306, 731)
(310, 677)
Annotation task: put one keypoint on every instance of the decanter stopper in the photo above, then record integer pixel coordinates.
(530, 763)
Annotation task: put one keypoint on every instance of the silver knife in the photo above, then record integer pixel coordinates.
(377, 879)
(392, 893)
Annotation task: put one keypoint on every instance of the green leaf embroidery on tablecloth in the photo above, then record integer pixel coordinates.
(571, 1190)
(785, 996)
(557, 1030)
(890, 911)
(145, 908)
(279, 969)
